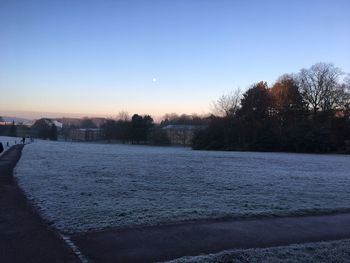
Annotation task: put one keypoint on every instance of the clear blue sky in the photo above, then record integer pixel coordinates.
(101, 57)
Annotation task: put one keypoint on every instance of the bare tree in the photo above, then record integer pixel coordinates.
(227, 104)
(171, 116)
(346, 95)
(123, 116)
(347, 81)
(320, 88)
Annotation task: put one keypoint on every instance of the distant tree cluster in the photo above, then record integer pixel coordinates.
(45, 129)
(304, 112)
(142, 129)
(134, 130)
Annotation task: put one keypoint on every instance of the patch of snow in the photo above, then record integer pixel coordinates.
(82, 186)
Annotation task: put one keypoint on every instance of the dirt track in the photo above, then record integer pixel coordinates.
(24, 236)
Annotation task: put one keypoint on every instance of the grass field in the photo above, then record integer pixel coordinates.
(81, 186)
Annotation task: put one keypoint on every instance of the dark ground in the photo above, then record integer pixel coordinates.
(24, 236)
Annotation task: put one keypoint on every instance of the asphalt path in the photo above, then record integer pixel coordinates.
(160, 243)
(24, 235)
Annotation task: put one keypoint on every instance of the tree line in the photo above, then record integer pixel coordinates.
(142, 129)
(135, 130)
(304, 112)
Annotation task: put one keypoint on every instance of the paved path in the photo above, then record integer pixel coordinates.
(24, 236)
(150, 244)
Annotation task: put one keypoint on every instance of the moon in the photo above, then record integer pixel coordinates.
(154, 80)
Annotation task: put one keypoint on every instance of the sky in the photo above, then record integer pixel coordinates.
(97, 58)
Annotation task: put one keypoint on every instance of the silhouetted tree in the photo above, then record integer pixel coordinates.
(140, 127)
(346, 87)
(320, 87)
(278, 118)
(214, 137)
(288, 107)
(287, 101)
(159, 137)
(256, 126)
(255, 103)
(44, 129)
(228, 104)
(123, 116)
(124, 130)
(13, 129)
(109, 130)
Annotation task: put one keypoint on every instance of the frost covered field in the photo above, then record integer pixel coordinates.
(81, 186)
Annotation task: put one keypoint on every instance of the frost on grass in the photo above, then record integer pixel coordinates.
(81, 186)
(321, 252)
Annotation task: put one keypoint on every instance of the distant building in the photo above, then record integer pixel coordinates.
(85, 135)
(181, 134)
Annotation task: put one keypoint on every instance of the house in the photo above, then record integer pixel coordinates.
(180, 134)
(85, 135)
